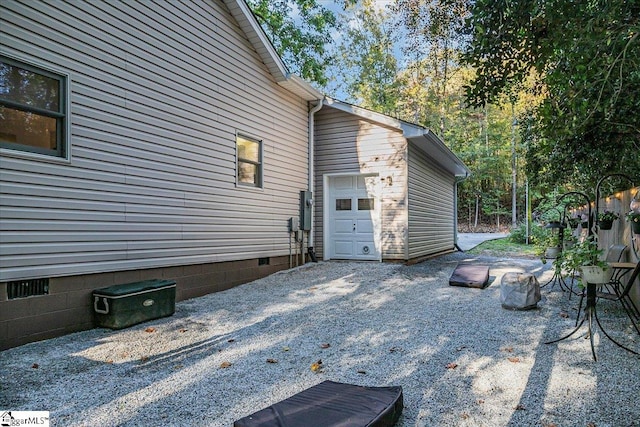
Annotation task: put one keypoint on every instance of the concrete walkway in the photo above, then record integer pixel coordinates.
(467, 241)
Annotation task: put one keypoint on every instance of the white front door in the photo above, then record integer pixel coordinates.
(354, 216)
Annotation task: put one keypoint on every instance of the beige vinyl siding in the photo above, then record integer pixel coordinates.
(158, 92)
(431, 206)
(345, 143)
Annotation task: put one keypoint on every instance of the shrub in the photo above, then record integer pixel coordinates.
(536, 234)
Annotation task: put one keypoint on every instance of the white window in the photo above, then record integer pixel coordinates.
(249, 161)
(33, 109)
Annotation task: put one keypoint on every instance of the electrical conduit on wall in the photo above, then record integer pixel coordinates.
(312, 113)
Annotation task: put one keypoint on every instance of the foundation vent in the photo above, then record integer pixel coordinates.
(27, 288)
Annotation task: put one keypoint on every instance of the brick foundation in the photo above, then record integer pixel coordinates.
(68, 306)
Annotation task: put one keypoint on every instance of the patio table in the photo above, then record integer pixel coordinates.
(590, 309)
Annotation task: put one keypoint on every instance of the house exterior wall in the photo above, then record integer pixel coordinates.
(431, 206)
(347, 144)
(158, 91)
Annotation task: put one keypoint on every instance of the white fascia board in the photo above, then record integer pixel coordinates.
(431, 144)
(421, 136)
(302, 88)
(251, 27)
(364, 113)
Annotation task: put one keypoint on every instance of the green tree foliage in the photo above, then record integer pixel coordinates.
(404, 61)
(586, 55)
(433, 35)
(367, 59)
(300, 31)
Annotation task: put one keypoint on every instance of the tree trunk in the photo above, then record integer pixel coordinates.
(477, 210)
(514, 172)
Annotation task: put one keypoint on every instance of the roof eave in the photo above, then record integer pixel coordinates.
(259, 40)
(429, 142)
(364, 113)
(301, 88)
(441, 153)
(267, 52)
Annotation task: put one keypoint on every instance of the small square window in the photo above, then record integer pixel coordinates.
(366, 204)
(343, 204)
(33, 109)
(249, 161)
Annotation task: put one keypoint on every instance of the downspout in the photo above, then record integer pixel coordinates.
(455, 210)
(312, 113)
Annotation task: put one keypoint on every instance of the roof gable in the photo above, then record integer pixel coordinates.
(256, 35)
(426, 140)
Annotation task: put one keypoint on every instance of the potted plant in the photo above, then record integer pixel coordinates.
(584, 221)
(585, 257)
(574, 221)
(569, 241)
(634, 218)
(606, 218)
(548, 246)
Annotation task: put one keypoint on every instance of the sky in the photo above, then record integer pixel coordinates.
(334, 88)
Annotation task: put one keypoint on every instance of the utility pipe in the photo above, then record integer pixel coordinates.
(312, 113)
(455, 209)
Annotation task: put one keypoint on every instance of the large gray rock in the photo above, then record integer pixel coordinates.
(519, 291)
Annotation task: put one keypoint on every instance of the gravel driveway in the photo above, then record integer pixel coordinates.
(461, 358)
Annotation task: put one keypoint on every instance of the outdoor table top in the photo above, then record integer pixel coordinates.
(623, 265)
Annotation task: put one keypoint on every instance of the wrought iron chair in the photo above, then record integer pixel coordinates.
(616, 253)
(614, 291)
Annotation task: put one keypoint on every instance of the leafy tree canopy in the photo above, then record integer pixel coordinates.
(366, 56)
(586, 56)
(299, 30)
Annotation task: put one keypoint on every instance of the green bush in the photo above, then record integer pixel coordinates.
(536, 234)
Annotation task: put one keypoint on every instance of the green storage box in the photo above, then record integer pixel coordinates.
(120, 306)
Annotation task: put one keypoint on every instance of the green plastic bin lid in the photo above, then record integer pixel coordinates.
(135, 287)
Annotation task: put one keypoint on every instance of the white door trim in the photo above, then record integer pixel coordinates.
(326, 217)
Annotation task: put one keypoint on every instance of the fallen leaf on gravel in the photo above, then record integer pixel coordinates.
(452, 365)
(183, 330)
(150, 329)
(508, 349)
(35, 366)
(143, 358)
(109, 361)
(591, 424)
(225, 364)
(520, 407)
(316, 366)
(325, 345)
(514, 359)
(272, 361)
(464, 416)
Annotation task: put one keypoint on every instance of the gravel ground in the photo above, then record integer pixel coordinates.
(461, 358)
